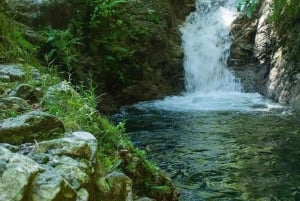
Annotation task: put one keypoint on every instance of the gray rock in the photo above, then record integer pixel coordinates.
(66, 146)
(51, 186)
(26, 92)
(12, 166)
(35, 125)
(11, 73)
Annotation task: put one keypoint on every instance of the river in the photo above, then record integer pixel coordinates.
(215, 141)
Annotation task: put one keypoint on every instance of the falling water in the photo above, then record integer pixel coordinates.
(210, 85)
(206, 43)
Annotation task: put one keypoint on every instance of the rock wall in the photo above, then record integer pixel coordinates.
(261, 60)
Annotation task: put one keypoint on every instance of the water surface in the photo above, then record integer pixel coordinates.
(221, 155)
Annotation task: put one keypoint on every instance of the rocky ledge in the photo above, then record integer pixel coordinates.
(42, 160)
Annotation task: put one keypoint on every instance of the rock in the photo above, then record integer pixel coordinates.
(56, 93)
(51, 186)
(12, 106)
(265, 65)
(11, 73)
(263, 37)
(64, 169)
(115, 187)
(26, 92)
(17, 171)
(35, 125)
(79, 144)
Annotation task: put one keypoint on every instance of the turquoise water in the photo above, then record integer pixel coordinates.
(221, 154)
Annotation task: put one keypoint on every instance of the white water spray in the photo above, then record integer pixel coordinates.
(206, 43)
(210, 85)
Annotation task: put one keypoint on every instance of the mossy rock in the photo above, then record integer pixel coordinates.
(35, 125)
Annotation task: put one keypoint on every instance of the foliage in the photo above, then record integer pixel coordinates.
(286, 18)
(248, 7)
(12, 41)
(115, 33)
(286, 12)
(60, 48)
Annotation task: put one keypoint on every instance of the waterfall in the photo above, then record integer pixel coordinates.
(206, 43)
(210, 85)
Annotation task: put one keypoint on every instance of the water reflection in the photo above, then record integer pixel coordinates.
(222, 155)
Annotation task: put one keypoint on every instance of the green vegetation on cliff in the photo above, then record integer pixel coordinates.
(286, 18)
(125, 44)
(75, 105)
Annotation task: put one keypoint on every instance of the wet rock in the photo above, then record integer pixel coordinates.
(11, 73)
(12, 165)
(115, 187)
(26, 92)
(35, 125)
(51, 186)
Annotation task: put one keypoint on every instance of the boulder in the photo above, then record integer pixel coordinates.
(34, 125)
(26, 92)
(11, 73)
(56, 170)
(16, 173)
(72, 156)
(66, 146)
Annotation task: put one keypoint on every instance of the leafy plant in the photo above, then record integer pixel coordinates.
(60, 48)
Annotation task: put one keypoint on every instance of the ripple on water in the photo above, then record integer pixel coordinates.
(222, 155)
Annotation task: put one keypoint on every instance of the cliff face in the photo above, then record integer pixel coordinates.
(263, 60)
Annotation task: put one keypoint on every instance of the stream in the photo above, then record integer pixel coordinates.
(215, 141)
